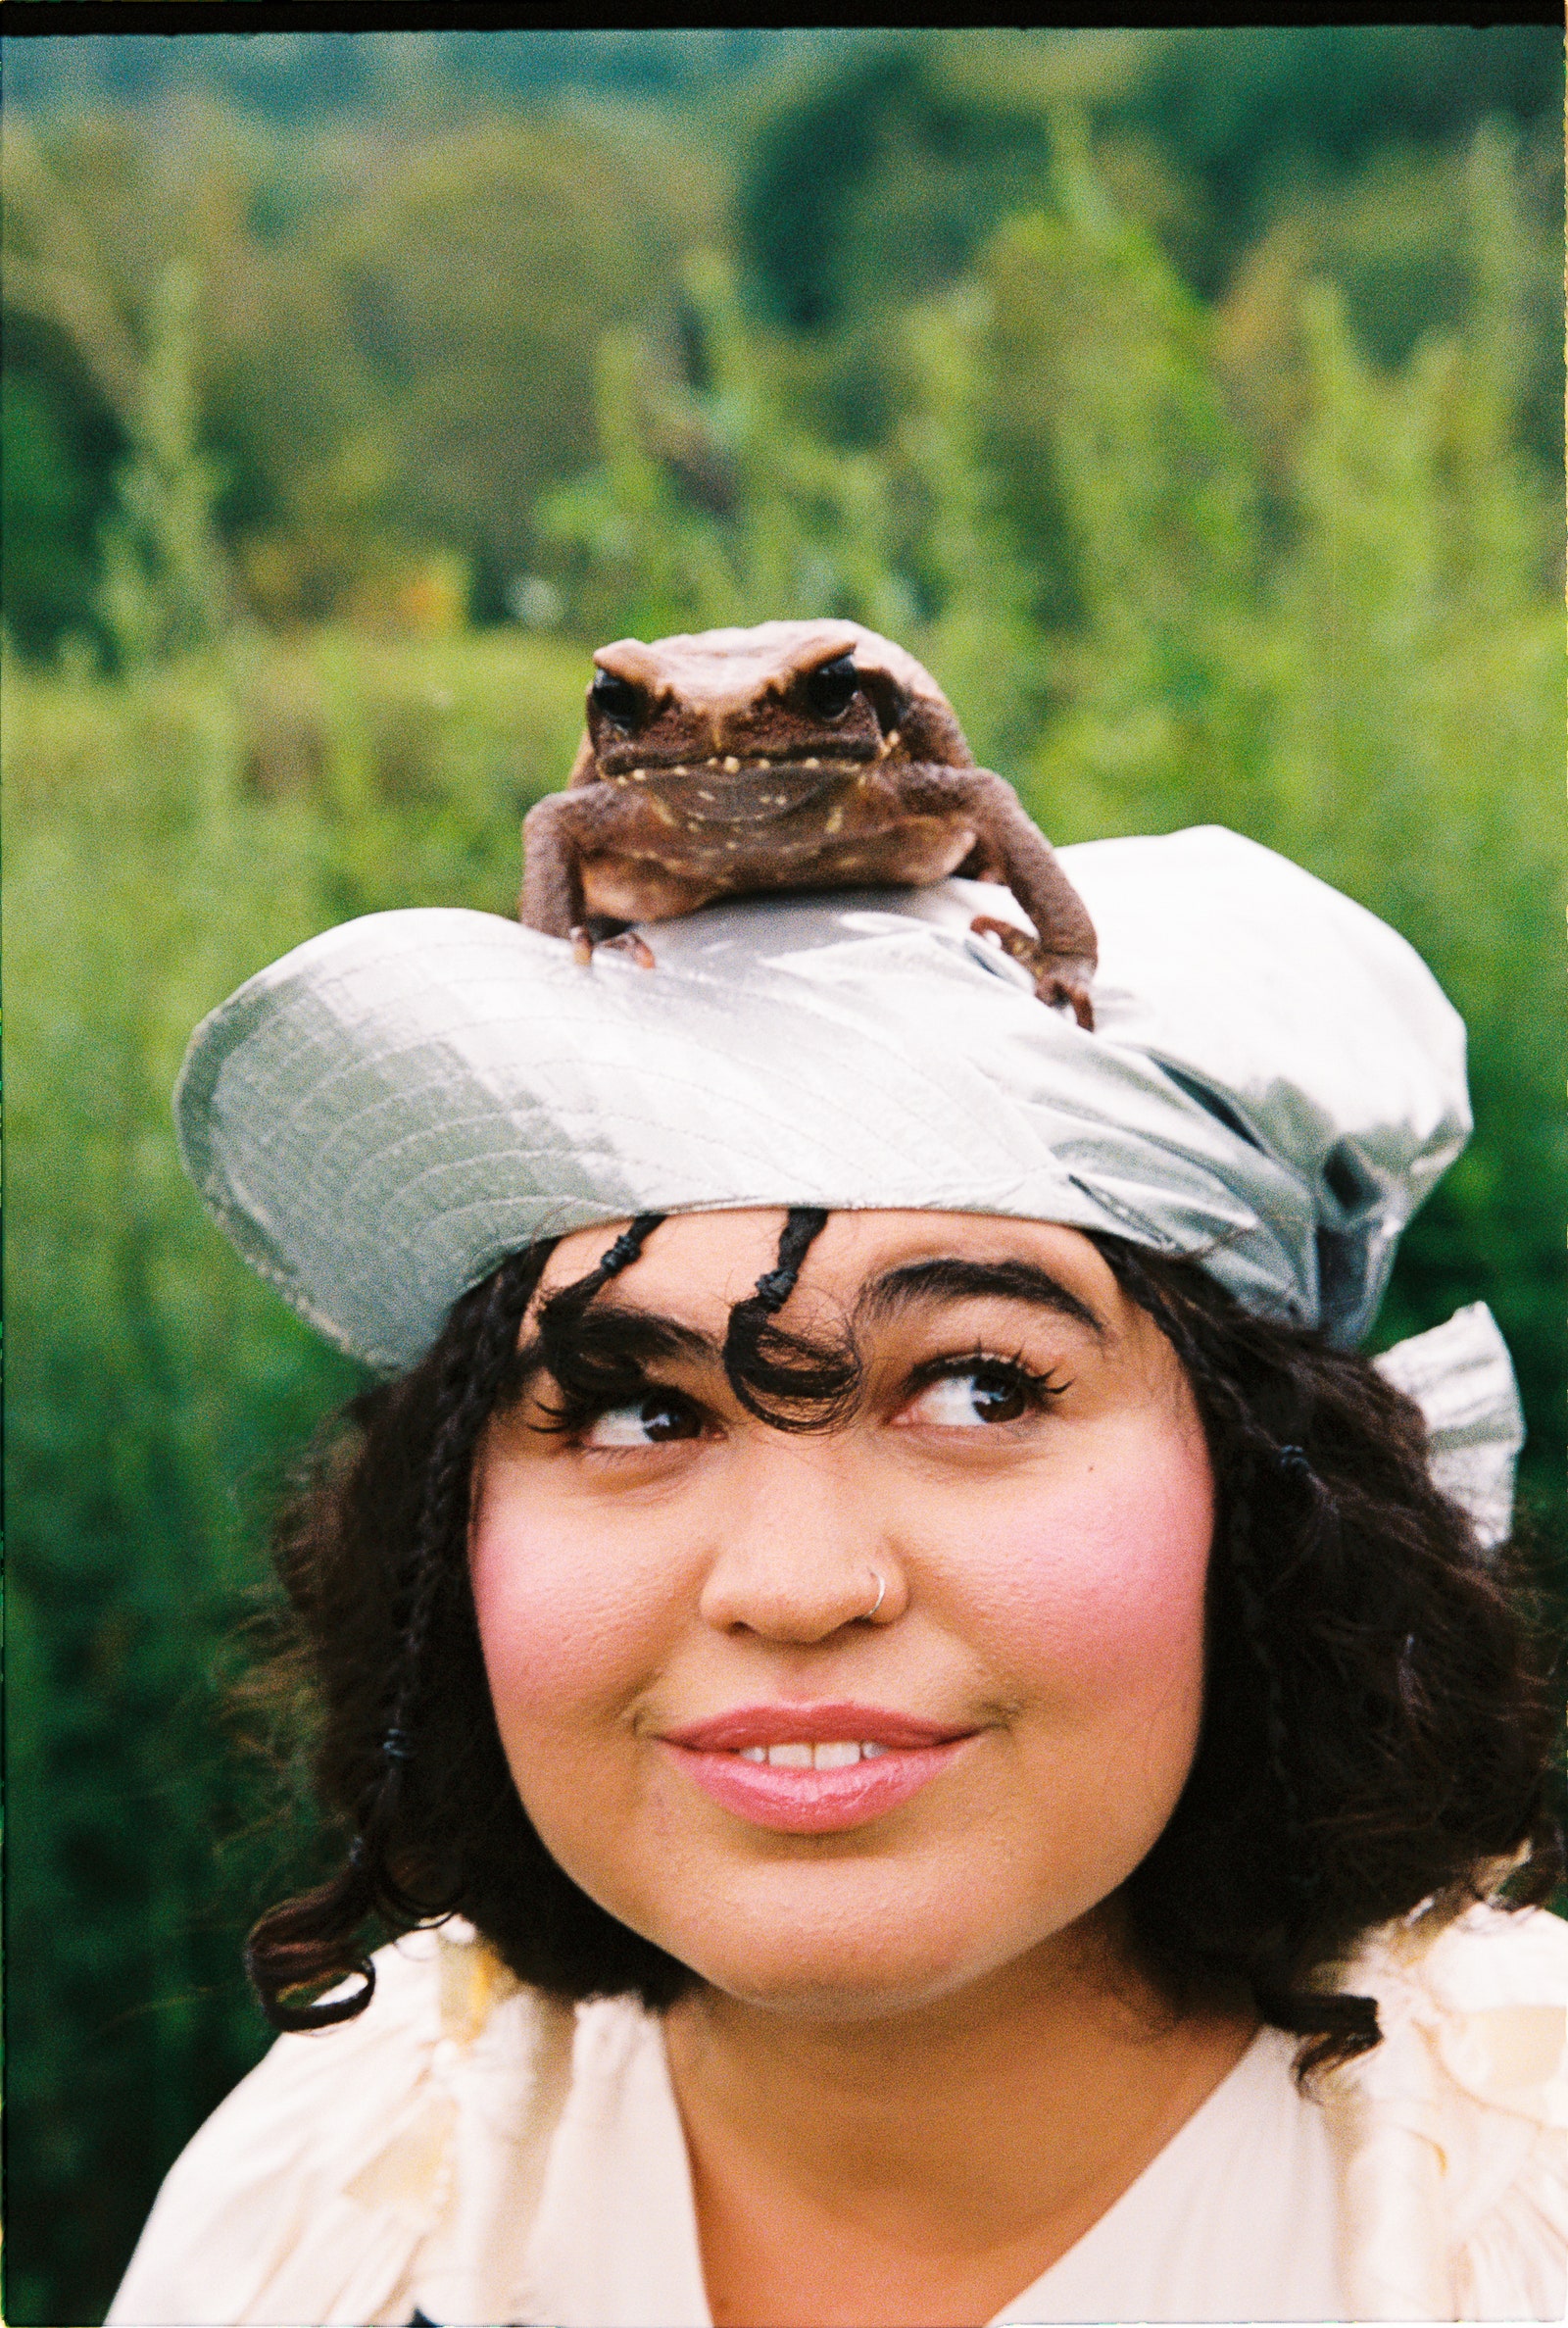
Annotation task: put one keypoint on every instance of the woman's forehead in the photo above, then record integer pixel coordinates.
(718, 1255)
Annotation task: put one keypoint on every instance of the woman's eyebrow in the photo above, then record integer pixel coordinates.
(954, 1280)
(619, 1330)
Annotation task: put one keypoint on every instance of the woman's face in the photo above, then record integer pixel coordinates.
(674, 1605)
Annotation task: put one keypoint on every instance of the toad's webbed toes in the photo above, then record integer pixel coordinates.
(1055, 980)
(628, 942)
(1068, 990)
(586, 943)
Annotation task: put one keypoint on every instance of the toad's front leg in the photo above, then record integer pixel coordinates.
(552, 899)
(1011, 848)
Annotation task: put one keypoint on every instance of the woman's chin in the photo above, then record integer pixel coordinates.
(834, 1984)
(843, 1968)
(854, 1936)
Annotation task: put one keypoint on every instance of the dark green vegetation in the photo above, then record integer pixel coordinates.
(1188, 402)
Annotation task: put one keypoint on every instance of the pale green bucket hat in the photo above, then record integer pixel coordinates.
(1274, 1082)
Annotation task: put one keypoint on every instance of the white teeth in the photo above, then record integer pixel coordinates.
(837, 1754)
(754, 1754)
(790, 1757)
(837, 1757)
(866, 1752)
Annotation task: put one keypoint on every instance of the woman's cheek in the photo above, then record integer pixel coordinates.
(1103, 1588)
(560, 1621)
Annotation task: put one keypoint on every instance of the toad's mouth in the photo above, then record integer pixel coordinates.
(731, 791)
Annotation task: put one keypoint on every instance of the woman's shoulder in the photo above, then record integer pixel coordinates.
(317, 2189)
(1453, 2131)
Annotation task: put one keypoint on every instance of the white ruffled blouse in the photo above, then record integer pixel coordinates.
(471, 2151)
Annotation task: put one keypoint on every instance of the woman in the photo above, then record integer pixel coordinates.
(963, 1739)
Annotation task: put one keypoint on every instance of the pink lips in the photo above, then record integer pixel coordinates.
(813, 1802)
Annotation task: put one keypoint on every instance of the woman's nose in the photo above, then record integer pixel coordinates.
(800, 1552)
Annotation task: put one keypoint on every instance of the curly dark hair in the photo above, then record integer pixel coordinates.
(1380, 1714)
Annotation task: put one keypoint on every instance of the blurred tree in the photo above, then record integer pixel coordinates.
(166, 581)
(61, 445)
(714, 507)
(95, 214)
(313, 79)
(394, 361)
(1258, 116)
(875, 184)
(1397, 240)
(476, 275)
(1135, 502)
(879, 178)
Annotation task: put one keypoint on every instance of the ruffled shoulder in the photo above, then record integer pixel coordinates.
(315, 2192)
(1452, 2134)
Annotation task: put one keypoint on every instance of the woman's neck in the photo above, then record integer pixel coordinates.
(928, 2165)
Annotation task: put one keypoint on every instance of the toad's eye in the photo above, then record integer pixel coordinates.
(832, 687)
(978, 1394)
(620, 702)
(649, 1422)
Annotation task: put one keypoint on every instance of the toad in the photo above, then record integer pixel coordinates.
(792, 756)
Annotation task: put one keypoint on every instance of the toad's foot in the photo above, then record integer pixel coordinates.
(1057, 979)
(625, 941)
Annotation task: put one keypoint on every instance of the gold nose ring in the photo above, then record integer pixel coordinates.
(881, 1595)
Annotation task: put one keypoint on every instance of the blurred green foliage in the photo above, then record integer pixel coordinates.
(1214, 482)
(167, 835)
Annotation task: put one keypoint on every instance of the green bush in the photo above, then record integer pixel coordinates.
(166, 838)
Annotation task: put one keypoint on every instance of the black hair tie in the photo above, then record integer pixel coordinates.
(1294, 1463)
(803, 1225)
(628, 1245)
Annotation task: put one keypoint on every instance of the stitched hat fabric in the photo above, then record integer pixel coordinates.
(1274, 1082)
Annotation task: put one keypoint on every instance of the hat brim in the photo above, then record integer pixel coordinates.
(378, 1118)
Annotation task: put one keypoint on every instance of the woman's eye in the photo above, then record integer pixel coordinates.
(644, 1423)
(977, 1395)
